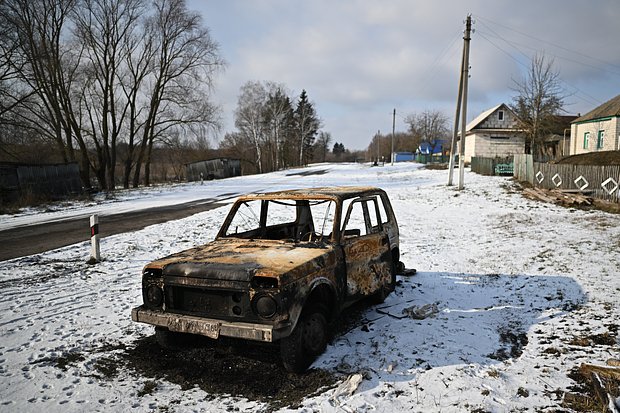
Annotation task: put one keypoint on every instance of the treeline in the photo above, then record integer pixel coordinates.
(275, 130)
(430, 126)
(103, 82)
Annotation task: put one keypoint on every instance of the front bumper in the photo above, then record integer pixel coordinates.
(206, 326)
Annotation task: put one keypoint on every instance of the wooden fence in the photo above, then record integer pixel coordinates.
(597, 181)
(486, 166)
(524, 168)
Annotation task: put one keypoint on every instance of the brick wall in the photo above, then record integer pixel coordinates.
(611, 138)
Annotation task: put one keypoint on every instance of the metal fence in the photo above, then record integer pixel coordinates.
(428, 158)
(48, 181)
(597, 181)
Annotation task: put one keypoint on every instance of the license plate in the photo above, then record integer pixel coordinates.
(211, 330)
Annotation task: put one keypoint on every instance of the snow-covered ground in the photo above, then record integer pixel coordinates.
(515, 288)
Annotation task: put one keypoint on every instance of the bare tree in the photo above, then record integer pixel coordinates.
(103, 26)
(538, 102)
(430, 126)
(187, 60)
(45, 65)
(249, 117)
(237, 145)
(99, 73)
(139, 55)
(278, 115)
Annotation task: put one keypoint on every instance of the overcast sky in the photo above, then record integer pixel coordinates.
(359, 60)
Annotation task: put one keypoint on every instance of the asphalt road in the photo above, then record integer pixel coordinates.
(33, 239)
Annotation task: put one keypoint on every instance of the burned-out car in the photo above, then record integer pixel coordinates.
(283, 265)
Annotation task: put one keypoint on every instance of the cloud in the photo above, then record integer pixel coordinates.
(359, 59)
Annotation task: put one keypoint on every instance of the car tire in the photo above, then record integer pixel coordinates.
(307, 340)
(170, 339)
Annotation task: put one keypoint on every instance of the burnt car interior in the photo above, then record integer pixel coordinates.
(293, 220)
(363, 218)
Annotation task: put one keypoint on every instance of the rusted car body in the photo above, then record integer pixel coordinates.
(283, 265)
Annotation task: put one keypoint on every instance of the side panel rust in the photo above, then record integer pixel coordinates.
(368, 264)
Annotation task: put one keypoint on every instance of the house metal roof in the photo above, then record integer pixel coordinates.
(607, 109)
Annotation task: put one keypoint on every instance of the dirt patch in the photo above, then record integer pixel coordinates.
(607, 206)
(226, 367)
(590, 393)
(512, 339)
(253, 371)
(599, 158)
(594, 385)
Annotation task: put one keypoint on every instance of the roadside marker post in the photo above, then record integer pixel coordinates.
(95, 252)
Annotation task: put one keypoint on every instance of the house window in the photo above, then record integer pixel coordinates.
(500, 115)
(586, 140)
(600, 139)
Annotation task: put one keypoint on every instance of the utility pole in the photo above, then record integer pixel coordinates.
(466, 39)
(378, 139)
(393, 127)
(461, 103)
(457, 116)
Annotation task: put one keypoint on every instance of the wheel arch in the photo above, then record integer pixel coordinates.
(323, 292)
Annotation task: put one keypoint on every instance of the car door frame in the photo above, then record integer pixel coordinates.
(367, 257)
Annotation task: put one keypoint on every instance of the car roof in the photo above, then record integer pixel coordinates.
(332, 192)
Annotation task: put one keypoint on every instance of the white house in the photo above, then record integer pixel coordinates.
(597, 130)
(493, 134)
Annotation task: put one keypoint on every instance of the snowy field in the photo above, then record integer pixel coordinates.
(518, 292)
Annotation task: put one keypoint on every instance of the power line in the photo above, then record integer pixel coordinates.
(558, 56)
(432, 72)
(548, 42)
(584, 96)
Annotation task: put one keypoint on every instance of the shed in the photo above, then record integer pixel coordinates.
(43, 180)
(403, 156)
(217, 168)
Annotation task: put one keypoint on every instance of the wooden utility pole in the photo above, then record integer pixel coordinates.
(461, 104)
(393, 127)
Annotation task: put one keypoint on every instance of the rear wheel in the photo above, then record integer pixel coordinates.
(306, 342)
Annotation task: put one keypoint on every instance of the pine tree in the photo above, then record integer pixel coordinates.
(305, 126)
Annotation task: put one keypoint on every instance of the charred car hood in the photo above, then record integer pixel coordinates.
(239, 260)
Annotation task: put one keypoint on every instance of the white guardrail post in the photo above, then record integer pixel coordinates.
(95, 253)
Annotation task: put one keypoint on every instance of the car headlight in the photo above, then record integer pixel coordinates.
(265, 306)
(154, 296)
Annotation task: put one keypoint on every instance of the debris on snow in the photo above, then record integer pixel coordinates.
(557, 196)
(421, 312)
(346, 389)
